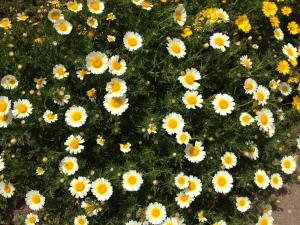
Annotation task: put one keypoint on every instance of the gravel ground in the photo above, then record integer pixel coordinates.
(288, 207)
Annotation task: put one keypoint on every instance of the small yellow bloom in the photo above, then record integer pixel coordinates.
(152, 128)
(286, 10)
(186, 32)
(5, 24)
(293, 27)
(91, 94)
(39, 171)
(296, 102)
(111, 16)
(100, 140)
(243, 23)
(269, 8)
(39, 40)
(283, 67)
(22, 17)
(274, 20)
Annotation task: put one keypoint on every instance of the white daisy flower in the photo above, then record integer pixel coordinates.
(156, 213)
(261, 179)
(68, 165)
(31, 219)
(223, 182)
(278, 34)
(75, 116)
(183, 137)
(74, 144)
(125, 148)
(172, 221)
(79, 187)
(219, 41)
(184, 200)
(246, 119)
(132, 180)
(276, 181)
(173, 123)
(92, 22)
(132, 41)
(81, 220)
(5, 120)
(250, 86)
(181, 181)
(288, 164)
(60, 72)
(50, 117)
(192, 99)
(243, 204)
(137, 2)
(290, 51)
(9, 82)
(74, 6)
(180, 15)
(223, 15)
(265, 220)
(265, 119)
(22, 108)
(63, 27)
(195, 186)
(96, 62)
(223, 104)
(176, 48)
(229, 160)
(116, 87)
(102, 189)
(2, 164)
(7, 189)
(285, 89)
(34, 200)
(5, 104)
(189, 78)
(55, 15)
(95, 6)
(117, 66)
(262, 94)
(132, 222)
(246, 62)
(195, 153)
(115, 105)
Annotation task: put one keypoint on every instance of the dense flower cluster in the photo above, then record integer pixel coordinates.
(166, 113)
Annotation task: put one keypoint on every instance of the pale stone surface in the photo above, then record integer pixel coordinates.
(288, 207)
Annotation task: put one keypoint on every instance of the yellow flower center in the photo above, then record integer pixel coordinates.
(260, 179)
(260, 96)
(242, 202)
(102, 188)
(178, 16)
(189, 78)
(183, 138)
(264, 221)
(192, 100)
(194, 151)
(7, 188)
(132, 41)
(22, 108)
(32, 219)
(79, 186)
(223, 103)
(264, 119)
(222, 181)
(173, 123)
(97, 62)
(116, 102)
(73, 6)
(115, 86)
(287, 164)
(155, 212)
(275, 180)
(132, 180)
(60, 71)
(228, 160)
(184, 198)
(116, 65)
(3, 105)
(95, 5)
(176, 48)
(62, 27)
(55, 15)
(246, 119)
(181, 180)
(192, 186)
(219, 41)
(69, 165)
(36, 199)
(74, 144)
